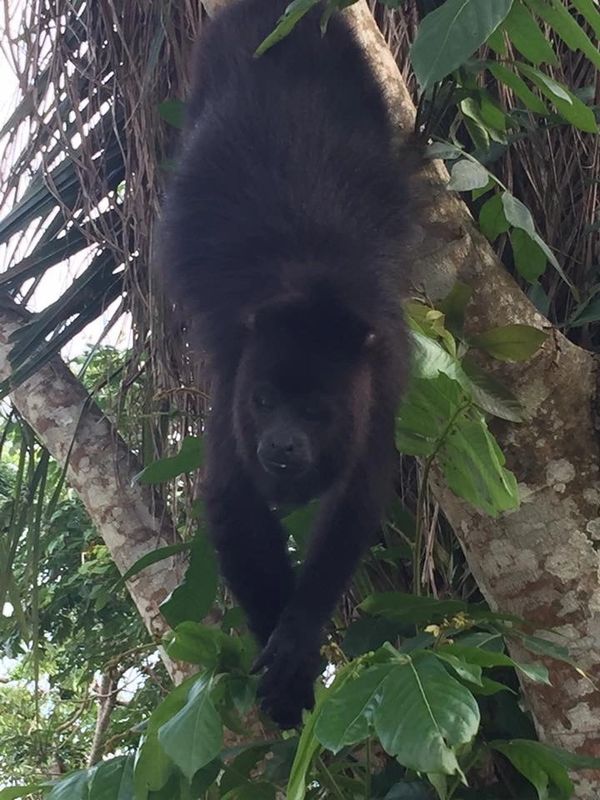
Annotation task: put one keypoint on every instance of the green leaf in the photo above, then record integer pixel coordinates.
(510, 342)
(200, 644)
(520, 217)
(425, 715)
(173, 112)
(466, 175)
(152, 766)
(74, 787)
(188, 459)
(450, 34)
(490, 395)
(425, 414)
(430, 358)
(465, 670)
(473, 466)
(571, 760)
(542, 647)
(539, 298)
(437, 417)
(14, 792)
(505, 75)
(309, 745)
(285, 24)
(488, 658)
(589, 11)
(193, 599)
(492, 220)
(454, 306)
(587, 312)
(540, 767)
(153, 557)
(194, 736)
(298, 524)
(530, 259)
(252, 791)
(526, 36)
(408, 790)
(411, 608)
(347, 713)
(113, 780)
(566, 26)
(443, 150)
(567, 104)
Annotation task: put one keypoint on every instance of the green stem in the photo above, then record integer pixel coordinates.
(368, 768)
(422, 497)
(328, 779)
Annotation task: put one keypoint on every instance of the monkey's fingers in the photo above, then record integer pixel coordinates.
(263, 659)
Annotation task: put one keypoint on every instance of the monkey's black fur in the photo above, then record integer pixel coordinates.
(283, 242)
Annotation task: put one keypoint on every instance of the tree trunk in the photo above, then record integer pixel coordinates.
(541, 561)
(101, 469)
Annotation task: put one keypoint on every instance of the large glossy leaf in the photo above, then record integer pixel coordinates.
(437, 418)
(188, 459)
(411, 608)
(152, 765)
(540, 767)
(450, 34)
(425, 715)
(490, 395)
(347, 713)
(510, 342)
(194, 736)
(113, 780)
(473, 466)
(193, 599)
(73, 787)
(488, 658)
(154, 557)
(200, 644)
(526, 36)
(309, 745)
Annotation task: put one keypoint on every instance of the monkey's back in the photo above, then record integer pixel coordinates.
(287, 174)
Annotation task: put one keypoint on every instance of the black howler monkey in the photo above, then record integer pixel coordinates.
(282, 241)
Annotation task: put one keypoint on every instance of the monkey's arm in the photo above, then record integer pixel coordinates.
(249, 540)
(347, 522)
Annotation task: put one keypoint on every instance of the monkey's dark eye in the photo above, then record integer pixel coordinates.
(314, 411)
(263, 400)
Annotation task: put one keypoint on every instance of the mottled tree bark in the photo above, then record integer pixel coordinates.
(541, 561)
(100, 468)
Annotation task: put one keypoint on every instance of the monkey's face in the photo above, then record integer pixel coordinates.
(300, 418)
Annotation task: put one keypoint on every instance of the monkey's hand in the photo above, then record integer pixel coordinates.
(291, 661)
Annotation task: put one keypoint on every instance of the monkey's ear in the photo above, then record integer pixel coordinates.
(370, 340)
(249, 321)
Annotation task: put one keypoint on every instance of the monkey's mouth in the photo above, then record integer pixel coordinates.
(281, 469)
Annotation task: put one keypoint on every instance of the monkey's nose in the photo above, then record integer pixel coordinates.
(283, 454)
